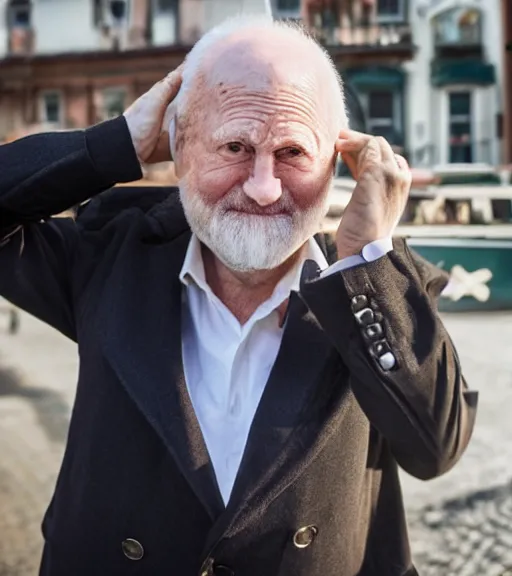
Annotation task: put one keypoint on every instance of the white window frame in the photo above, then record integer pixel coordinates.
(42, 107)
(400, 17)
(445, 121)
(398, 103)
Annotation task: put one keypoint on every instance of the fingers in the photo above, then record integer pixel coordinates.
(347, 134)
(352, 141)
(351, 164)
(386, 151)
(170, 85)
(363, 152)
(145, 118)
(404, 173)
(402, 163)
(355, 149)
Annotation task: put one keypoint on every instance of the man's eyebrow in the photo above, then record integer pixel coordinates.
(222, 133)
(309, 144)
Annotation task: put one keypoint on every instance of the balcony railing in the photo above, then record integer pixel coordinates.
(367, 34)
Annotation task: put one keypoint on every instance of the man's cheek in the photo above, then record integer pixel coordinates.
(308, 192)
(215, 185)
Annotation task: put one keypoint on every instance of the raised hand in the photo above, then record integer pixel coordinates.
(380, 196)
(145, 119)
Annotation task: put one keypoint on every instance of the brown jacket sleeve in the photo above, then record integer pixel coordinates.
(421, 405)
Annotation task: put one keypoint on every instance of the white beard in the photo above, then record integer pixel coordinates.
(248, 242)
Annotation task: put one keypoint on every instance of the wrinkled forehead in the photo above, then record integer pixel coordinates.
(252, 84)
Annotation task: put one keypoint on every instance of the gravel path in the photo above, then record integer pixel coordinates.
(460, 524)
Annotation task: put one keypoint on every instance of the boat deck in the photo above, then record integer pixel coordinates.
(488, 232)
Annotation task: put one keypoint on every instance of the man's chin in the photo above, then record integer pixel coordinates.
(250, 262)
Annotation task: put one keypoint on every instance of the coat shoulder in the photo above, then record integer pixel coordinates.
(109, 206)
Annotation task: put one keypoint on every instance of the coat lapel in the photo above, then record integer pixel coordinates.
(141, 338)
(281, 433)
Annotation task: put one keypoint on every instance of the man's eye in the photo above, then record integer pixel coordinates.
(290, 152)
(235, 147)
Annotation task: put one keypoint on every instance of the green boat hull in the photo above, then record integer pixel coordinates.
(472, 254)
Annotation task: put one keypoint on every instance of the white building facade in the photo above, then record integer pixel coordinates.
(453, 88)
(63, 26)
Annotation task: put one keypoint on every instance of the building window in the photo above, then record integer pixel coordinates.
(460, 143)
(113, 103)
(382, 117)
(110, 12)
(458, 26)
(287, 8)
(288, 5)
(390, 10)
(51, 107)
(166, 5)
(19, 14)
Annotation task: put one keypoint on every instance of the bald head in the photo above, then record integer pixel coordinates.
(261, 55)
(256, 119)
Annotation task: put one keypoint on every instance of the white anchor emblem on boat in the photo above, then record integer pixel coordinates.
(463, 283)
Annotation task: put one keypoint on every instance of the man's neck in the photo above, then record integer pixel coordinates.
(243, 292)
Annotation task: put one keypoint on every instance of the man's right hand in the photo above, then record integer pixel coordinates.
(145, 118)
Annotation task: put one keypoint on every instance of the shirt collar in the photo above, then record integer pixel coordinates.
(193, 270)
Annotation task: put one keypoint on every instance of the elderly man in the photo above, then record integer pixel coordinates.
(246, 390)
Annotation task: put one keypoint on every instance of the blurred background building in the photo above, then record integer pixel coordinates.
(454, 90)
(429, 75)
(506, 14)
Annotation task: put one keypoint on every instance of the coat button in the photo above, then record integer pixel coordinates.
(304, 536)
(380, 348)
(374, 331)
(387, 361)
(358, 303)
(365, 317)
(132, 549)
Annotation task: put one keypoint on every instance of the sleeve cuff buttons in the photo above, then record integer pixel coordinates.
(373, 332)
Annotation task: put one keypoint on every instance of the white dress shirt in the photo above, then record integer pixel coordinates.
(227, 364)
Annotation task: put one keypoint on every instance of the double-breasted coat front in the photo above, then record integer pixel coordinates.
(317, 493)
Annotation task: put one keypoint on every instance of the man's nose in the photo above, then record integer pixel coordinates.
(262, 186)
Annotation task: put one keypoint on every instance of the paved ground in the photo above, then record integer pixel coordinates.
(461, 524)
